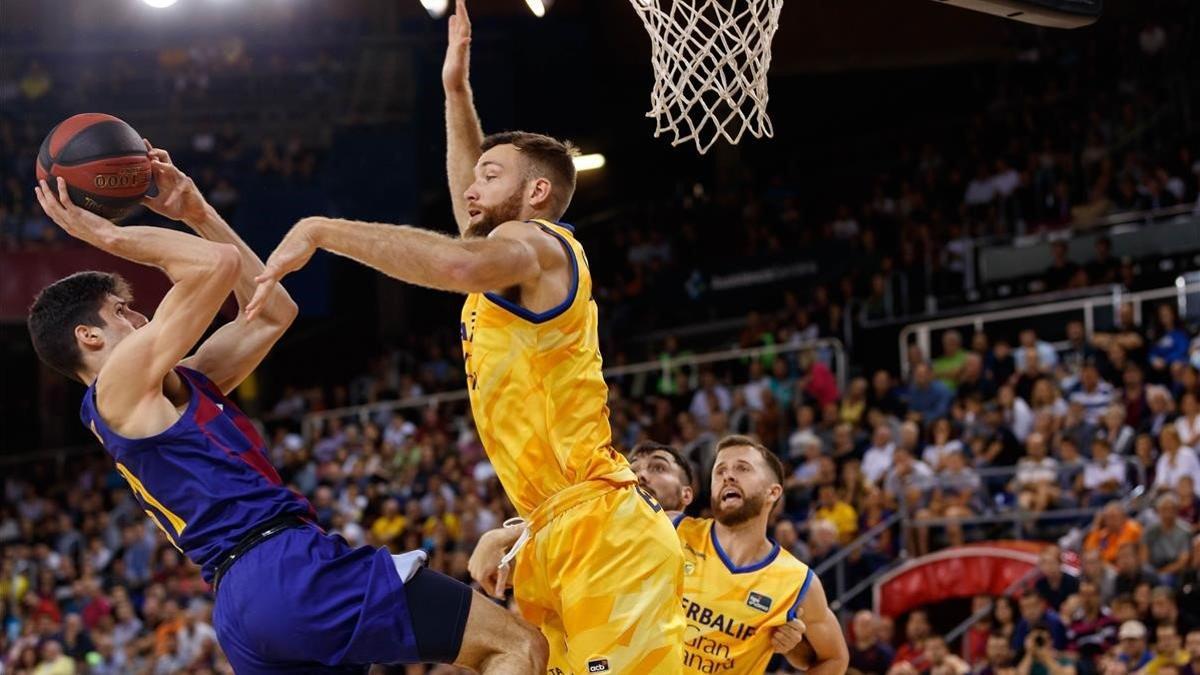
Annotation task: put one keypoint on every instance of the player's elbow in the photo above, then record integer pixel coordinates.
(288, 309)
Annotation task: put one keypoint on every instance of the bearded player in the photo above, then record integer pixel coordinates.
(743, 596)
(289, 598)
(598, 568)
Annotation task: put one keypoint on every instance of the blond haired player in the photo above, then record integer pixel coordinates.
(600, 571)
(743, 595)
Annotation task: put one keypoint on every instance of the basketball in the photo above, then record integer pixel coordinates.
(102, 159)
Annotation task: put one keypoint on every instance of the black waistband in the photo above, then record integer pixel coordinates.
(256, 536)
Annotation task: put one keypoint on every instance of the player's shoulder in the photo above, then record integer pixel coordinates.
(691, 529)
(548, 243)
(785, 560)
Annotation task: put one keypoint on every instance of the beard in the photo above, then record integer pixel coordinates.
(669, 502)
(491, 218)
(751, 506)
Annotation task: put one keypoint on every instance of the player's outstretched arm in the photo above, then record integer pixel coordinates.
(823, 633)
(203, 274)
(236, 349)
(514, 253)
(464, 134)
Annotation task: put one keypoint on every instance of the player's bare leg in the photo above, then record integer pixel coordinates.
(498, 642)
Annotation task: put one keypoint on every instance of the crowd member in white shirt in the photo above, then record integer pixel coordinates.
(753, 390)
(1188, 422)
(878, 458)
(1176, 461)
(711, 396)
(943, 443)
(1114, 429)
(1036, 482)
(1104, 476)
(197, 639)
(1093, 393)
(1017, 414)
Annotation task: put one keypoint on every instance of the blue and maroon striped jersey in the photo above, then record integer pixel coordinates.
(207, 480)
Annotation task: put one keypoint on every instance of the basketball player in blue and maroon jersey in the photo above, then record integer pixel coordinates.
(289, 598)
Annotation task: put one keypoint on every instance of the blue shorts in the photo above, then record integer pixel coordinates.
(305, 602)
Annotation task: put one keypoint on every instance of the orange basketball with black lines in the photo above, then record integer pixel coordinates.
(102, 159)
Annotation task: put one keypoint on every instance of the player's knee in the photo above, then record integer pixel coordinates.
(533, 647)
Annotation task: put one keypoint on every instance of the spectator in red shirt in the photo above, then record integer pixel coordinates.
(95, 605)
(916, 630)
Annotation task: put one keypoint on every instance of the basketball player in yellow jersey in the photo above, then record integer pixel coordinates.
(744, 598)
(599, 571)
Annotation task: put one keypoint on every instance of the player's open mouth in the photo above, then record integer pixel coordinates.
(730, 494)
(473, 212)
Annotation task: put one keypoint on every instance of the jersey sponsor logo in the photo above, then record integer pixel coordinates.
(705, 655)
(598, 666)
(696, 613)
(759, 601)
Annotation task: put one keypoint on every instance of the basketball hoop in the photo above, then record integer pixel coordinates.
(710, 62)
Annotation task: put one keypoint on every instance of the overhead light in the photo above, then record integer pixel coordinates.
(436, 8)
(539, 7)
(160, 4)
(589, 162)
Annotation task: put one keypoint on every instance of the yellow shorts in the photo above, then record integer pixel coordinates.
(603, 581)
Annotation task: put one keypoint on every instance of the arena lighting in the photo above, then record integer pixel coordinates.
(160, 4)
(589, 162)
(436, 8)
(539, 7)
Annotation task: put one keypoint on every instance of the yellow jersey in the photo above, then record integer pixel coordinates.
(537, 393)
(731, 610)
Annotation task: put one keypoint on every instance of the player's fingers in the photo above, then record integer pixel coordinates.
(63, 197)
(256, 300)
(49, 200)
(42, 198)
(50, 203)
(501, 581)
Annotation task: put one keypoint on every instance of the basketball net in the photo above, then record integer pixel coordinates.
(710, 62)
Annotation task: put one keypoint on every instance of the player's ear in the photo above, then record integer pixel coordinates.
(89, 337)
(688, 494)
(540, 192)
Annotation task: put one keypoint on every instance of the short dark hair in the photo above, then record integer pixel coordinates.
(1031, 592)
(769, 457)
(650, 447)
(549, 157)
(60, 307)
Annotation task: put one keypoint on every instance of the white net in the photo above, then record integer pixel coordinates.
(710, 62)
